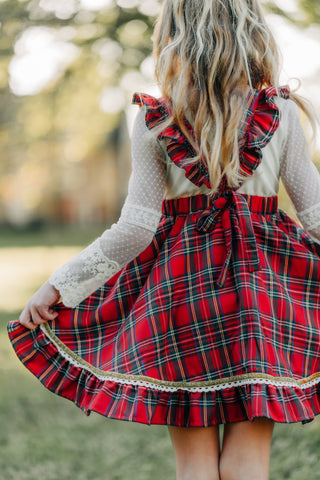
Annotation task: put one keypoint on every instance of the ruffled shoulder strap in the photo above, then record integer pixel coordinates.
(157, 109)
(178, 147)
(260, 121)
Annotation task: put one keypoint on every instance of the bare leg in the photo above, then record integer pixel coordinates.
(245, 451)
(197, 452)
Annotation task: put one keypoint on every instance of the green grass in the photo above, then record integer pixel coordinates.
(43, 436)
(52, 235)
(46, 437)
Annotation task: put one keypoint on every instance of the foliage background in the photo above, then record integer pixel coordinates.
(67, 73)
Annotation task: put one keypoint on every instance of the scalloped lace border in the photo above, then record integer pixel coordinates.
(73, 289)
(249, 379)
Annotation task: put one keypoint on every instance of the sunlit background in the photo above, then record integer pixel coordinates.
(68, 69)
(67, 73)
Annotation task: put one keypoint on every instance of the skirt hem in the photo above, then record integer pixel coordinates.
(142, 404)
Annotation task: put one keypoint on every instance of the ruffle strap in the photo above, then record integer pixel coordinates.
(178, 147)
(157, 109)
(260, 122)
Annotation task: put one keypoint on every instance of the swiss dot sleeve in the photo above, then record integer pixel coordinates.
(133, 232)
(299, 174)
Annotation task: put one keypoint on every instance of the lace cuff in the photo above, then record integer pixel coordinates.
(141, 216)
(76, 284)
(310, 218)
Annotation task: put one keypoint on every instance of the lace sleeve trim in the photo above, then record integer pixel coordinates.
(73, 289)
(310, 218)
(140, 216)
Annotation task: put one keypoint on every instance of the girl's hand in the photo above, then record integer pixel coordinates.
(39, 308)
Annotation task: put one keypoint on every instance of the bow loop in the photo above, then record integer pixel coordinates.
(209, 216)
(232, 208)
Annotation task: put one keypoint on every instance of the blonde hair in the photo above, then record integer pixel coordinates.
(206, 53)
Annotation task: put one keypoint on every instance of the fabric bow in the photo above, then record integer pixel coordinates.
(239, 236)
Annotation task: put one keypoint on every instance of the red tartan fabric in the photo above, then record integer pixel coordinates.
(161, 344)
(216, 321)
(259, 123)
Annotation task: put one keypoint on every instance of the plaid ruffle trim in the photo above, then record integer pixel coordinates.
(261, 120)
(127, 397)
(178, 147)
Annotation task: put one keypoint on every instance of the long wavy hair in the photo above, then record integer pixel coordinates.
(208, 55)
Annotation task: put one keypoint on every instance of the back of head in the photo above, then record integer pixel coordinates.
(208, 54)
(224, 41)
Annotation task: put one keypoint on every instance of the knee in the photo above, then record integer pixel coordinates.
(227, 469)
(241, 469)
(192, 472)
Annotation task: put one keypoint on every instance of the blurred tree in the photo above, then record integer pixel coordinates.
(308, 11)
(67, 72)
(53, 132)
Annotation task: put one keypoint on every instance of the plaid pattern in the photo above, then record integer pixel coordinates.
(260, 121)
(216, 321)
(160, 343)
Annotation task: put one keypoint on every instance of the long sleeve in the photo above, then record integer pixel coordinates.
(139, 219)
(299, 174)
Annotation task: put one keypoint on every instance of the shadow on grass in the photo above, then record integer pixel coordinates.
(44, 436)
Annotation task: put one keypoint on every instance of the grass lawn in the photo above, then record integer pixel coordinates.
(45, 437)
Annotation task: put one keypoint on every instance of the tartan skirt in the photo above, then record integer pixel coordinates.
(161, 343)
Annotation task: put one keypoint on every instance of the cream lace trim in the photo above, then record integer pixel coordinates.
(162, 385)
(141, 216)
(310, 218)
(72, 287)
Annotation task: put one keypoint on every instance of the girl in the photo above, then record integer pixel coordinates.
(201, 305)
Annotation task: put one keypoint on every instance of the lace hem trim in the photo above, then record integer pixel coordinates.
(310, 217)
(212, 386)
(74, 289)
(141, 216)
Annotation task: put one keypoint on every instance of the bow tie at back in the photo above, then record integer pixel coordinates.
(232, 209)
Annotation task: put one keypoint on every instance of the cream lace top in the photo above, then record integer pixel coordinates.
(287, 155)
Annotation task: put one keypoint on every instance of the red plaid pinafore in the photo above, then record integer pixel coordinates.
(216, 321)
